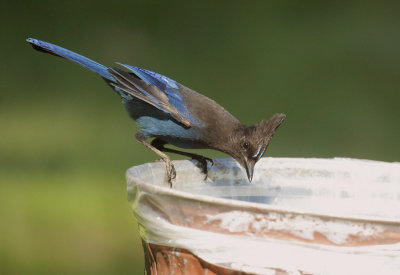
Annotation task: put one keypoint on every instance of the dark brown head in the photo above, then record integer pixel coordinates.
(248, 143)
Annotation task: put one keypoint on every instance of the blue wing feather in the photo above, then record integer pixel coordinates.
(160, 81)
(168, 86)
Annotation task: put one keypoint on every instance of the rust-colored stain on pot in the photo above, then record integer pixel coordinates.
(164, 260)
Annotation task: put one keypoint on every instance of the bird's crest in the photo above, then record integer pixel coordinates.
(267, 128)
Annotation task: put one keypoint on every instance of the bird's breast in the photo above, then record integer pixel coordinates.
(171, 132)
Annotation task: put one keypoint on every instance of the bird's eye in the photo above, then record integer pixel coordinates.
(245, 145)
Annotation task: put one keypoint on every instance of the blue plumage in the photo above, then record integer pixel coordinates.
(174, 114)
(77, 58)
(168, 86)
(160, 81)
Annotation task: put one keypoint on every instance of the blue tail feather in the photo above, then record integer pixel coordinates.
(77, 58)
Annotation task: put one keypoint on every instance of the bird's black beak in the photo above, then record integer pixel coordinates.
(249, 165)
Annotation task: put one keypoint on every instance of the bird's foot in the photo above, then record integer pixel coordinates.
(171, 172)
(203, 164)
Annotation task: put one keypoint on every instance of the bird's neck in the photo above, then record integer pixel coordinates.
(225, 138)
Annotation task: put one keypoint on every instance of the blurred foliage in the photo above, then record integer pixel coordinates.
(65, 143)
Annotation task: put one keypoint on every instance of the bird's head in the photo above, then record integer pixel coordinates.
(248, 143)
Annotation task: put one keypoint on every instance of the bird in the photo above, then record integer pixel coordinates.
(170, 113)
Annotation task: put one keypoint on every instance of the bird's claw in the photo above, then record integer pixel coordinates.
(171, 172)
(203, 164)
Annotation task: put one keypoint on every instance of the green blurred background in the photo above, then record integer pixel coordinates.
(65, 143)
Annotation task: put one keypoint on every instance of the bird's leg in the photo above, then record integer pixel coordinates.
(171, 173)
(159, 144)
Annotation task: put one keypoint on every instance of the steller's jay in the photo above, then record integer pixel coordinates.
(174, 114)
